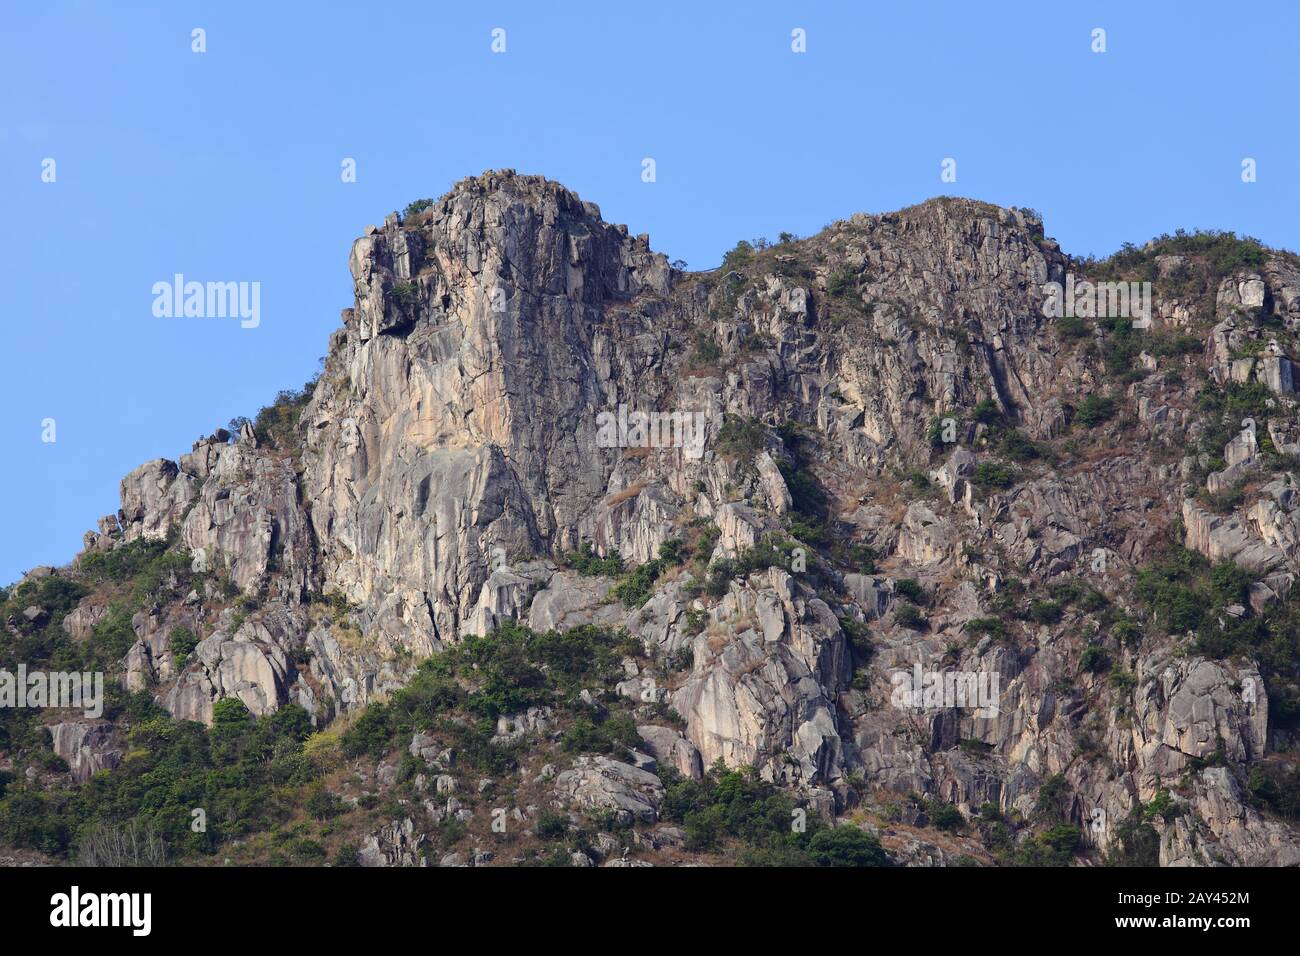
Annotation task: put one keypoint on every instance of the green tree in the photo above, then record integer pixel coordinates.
(846, 845)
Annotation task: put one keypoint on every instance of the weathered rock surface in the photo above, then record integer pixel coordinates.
(397, 844)
(86, 747)
(598, 783)
(450, 457)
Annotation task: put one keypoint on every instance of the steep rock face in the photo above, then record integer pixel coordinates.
(762, 688)
(236, 508)
(154, 497)
(458, 414)
(86, 747)
(455, 416)
(248, 660)
(956, 289)
(454, 448)
(249, 519)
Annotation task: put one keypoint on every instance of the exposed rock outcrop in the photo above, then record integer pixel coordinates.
(452, 452)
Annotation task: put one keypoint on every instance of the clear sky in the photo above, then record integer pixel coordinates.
(226, 165)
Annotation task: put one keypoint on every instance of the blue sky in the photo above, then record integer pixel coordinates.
(226, 165)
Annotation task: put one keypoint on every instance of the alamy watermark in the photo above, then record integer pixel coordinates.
(920, 689)
(57, 690)
(632, 429)
(208, 300)
(129, 910)
(1098, 300)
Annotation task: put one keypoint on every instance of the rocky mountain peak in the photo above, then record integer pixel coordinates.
(738, 512)
(493, 238)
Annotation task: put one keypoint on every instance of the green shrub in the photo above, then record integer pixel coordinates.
(806, 494)
(635, 589)
(696, 619)
(809, 532)
(991, 626)
(123, 562)
(277, 425)
(1052, 796)
(1122, 680)
(989, 475)
(1127, 632)
(909, 616)
(1275, 786)
(181, 641)
(616, 735)
(1073, 327)
(705, 349)
(1096, 409)
(1062, 840)
(910, 588)
(589, 564)
(1162, 805)
(323, 805)
(371, 734)
(735, 806)
(986, 412)
(113, 636)
(1094, 659)
(551, 825)
(1222, 252)
(1018, 447)
(1045, 612)
(944, 816)
(859, 637)
(1136, 844)
(1230, 583)
(841, 283)
(846, 845)
(720, 575)
(1066, 590)
(348, 855)
(1174, 591)
(406, 294)
(673, 551)
(741, 437)
(173, 766)
(741, 255)
(418, 206)
(863, 558)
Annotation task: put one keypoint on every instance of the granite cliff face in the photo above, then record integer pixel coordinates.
(902, 462)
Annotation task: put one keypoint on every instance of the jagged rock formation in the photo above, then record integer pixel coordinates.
(452, 452)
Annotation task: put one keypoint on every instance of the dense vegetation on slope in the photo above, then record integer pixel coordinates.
(278, 779)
